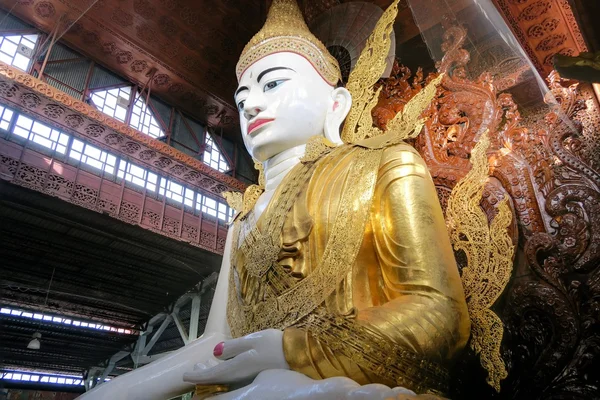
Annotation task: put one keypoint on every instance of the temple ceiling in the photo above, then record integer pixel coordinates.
(186, 50)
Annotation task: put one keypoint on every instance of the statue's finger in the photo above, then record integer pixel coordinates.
(200, 367)
(231, 348)
(205, 365)
(226, 372)
(400, 390)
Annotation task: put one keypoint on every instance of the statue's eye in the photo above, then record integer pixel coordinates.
(241, 106)
(273, 84)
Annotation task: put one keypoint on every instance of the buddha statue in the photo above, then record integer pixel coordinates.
(338, 276)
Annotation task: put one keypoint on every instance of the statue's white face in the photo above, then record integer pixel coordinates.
(283, 101)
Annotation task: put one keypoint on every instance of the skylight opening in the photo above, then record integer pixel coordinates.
(113, 102)
(143, 119)
(18, 50)
(64, 321)
(38, 377)
(212, 155)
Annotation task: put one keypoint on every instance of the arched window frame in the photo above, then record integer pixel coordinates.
(136, 113)
(213, 155)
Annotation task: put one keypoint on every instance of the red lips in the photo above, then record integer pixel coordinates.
(258, 123)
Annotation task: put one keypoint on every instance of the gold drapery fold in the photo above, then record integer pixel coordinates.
(403, 284)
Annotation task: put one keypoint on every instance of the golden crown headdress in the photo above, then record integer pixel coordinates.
(285, 30)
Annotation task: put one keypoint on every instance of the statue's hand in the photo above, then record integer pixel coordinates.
(244, 358)
(292, 385)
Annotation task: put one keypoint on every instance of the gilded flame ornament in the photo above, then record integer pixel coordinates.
(489, 250)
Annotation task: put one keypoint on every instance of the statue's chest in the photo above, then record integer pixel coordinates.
(274, 243)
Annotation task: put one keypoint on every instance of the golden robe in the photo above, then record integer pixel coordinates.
(403, 284)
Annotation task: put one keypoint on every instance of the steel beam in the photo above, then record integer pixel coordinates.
(111, 364)
(180, 327)
(157, 335)
(194, 317)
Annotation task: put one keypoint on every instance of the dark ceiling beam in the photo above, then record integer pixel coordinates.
(154, 253)
(56, 210)
(145, 309)
(17, 324)
(74, 306)
(85, 254)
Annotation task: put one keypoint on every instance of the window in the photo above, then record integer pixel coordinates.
(41, 134)
(207, 205)
(214, 208)
(17, 50)
(143, 120)
(5, 118)
(62, 320)
(171, 189)
(137, 175)
(81, 151)
(212, 155)
(175, 191)
(41, 377)
(90, 155)
(113, 102)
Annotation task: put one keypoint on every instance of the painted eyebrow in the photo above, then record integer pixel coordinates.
(241, 89)
(266, 71)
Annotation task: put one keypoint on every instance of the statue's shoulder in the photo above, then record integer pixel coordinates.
(401, 154)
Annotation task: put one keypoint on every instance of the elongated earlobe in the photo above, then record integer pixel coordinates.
(340, 107)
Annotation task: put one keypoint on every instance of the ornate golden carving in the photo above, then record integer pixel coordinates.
(207, 391)
(367, 71)
(283, 310)
(371, 64)
(316, 147)
(285, 30)
(235, 200)
(489, 250)
(408, 123)
(243, 204)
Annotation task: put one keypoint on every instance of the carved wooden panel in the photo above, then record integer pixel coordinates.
(105, 194)
(549, 170)
(31, 96)
(544, 28)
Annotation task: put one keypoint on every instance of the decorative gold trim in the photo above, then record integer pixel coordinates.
(206, 391)
(369, 68)
(282, 311)
(489, 250)
(285, 30)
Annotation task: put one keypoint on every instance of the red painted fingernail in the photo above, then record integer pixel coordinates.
(219, 349)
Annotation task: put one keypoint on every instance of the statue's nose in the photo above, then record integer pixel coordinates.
(254, 104)
(253, 112)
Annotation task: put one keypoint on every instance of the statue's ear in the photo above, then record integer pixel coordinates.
(338, 111)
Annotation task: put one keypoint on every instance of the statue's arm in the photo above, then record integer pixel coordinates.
(163, 379)
(426, 309)
(424, 306)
